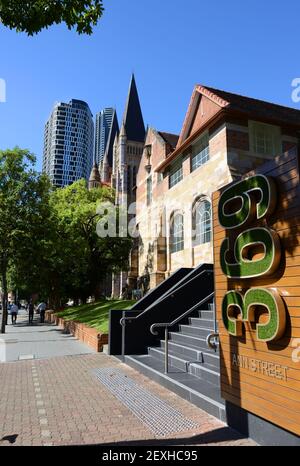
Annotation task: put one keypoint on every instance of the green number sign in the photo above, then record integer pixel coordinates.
(245, 202)
(246, 306)
(250, 209)
(244, 266)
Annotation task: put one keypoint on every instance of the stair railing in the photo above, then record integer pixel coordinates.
(168, 325)
(213, 338)
(129, 319)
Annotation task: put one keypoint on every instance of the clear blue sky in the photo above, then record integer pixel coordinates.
(249, 47)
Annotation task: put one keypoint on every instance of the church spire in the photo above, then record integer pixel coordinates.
(113, 132)
(133, 118)
(94, 180)
(105, 169)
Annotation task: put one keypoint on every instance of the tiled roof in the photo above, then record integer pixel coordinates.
(169, 138)
(261, 109)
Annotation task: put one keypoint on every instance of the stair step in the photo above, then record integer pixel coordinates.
(205, 314)
(195, 331)
(204, 323)
(193, 354)
(205, 373)
(203, 394)
(196, 368)
(174, 360)
(188, 340)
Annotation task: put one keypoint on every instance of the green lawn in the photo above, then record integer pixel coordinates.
(95, 315)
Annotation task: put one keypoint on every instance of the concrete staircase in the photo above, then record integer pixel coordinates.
(194, 368)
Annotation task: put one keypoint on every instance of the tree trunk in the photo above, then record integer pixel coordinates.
(54, 301)
(4, 294)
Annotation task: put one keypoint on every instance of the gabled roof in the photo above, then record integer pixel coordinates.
(263, 109)
(169, 138)
(133, 118)
(228, 101)
(234, 103)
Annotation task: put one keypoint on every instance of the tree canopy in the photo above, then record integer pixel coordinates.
(33, 16)
(83, 258)
(23, 207)
(49, 244)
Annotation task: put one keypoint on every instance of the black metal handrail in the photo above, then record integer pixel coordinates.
(172, 294)
(167, 325)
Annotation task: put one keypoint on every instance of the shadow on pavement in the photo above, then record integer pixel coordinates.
(223, 434)
(9, 438)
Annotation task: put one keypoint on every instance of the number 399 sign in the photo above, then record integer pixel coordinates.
(257, 287)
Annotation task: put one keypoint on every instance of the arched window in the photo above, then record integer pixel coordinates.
(177, 233)
(201, 222)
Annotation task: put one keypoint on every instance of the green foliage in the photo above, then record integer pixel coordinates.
(23, 208)
(95, 315)
(33, 16)
(80, 257)
(48, 240)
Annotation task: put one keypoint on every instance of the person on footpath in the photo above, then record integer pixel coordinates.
(14, 312)
(30, 311)
(42, 309)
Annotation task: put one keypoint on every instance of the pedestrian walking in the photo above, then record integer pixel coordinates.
(42, 309)
(30, 311)
(14, 312)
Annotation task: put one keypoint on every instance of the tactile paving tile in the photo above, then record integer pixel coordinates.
(161, 418)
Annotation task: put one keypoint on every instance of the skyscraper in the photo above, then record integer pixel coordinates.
(68, 143)
(105, 129)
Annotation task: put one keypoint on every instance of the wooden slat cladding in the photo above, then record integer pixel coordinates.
(264, 378)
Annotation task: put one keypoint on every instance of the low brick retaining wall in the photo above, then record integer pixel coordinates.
(89, 336)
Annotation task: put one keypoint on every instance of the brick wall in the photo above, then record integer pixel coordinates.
(238, 140)
(87, 335)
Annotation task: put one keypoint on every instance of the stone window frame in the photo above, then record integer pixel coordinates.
(202, 230)
(264, 139)
(176, 225)
(200, 151)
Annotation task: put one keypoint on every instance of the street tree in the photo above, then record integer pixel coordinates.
(87, 258)
(23, 212)
(34, 15)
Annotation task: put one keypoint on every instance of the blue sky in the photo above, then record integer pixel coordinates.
(249, 47)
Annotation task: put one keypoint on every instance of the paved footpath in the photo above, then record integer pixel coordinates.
(38, 340)
(57, 400)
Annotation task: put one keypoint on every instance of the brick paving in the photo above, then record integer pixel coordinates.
(58, 401)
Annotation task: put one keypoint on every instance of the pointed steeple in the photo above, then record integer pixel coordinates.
(116, 141)
(133, 118)
(113, 132)
(94, 180)
(123, 131)
(105, 169)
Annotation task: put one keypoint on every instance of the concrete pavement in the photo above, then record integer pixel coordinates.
(24, 341)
